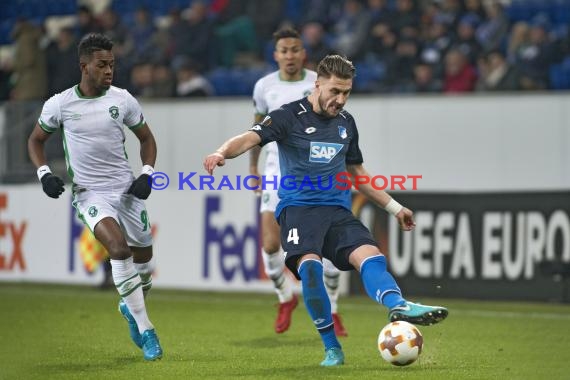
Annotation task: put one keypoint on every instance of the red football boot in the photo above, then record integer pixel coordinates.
(339, 329)
(283, 320)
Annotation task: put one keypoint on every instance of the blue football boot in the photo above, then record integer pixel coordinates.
(151, 346)
(418, 314)
(333, 357)
(133, 328)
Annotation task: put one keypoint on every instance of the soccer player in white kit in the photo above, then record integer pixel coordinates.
(289, 83)
(108, 198)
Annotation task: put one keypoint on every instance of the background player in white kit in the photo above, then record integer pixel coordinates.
(92, 116)
(289, 83)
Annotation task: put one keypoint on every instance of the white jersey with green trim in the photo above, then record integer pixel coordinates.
(270, 93)
(93, 135)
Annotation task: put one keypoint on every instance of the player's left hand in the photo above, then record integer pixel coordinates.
(52, 185)
(406, 219)
(140, 187)
(213, 160)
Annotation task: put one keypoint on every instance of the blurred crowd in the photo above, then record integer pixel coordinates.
(398, 46)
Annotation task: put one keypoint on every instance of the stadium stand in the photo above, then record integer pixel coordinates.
(374, 75)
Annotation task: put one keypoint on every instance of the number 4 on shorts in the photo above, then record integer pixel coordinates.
(293, 236)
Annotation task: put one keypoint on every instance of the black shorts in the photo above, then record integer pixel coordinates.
(328, 231)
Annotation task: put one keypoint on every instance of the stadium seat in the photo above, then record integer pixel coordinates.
(515, 11)
(537, 6)
(244, 80)
(559, 31)
(222, 81)
(560, 75)
(268, 50)
(566, 63)
(556, 77)
(293, 10)
(368, 75)
(565, 75)
(6, 27)
(560, 12)
(524, 10)
(156, 8)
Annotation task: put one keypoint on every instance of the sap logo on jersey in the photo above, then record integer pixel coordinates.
(324, 152)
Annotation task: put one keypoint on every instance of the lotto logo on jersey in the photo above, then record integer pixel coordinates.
(323, 152)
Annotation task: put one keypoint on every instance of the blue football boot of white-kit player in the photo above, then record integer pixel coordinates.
(418, 314)
(151, 346)
(333, 357)
(133, 328)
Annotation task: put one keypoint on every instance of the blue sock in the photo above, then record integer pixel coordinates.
(379, 283)
(317, 301)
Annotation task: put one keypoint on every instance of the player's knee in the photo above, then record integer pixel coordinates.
(118, 251)
(271, 246)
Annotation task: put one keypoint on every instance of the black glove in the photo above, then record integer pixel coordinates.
(141, 187)
(52, 185)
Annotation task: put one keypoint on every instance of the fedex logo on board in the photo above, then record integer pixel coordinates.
(12, 233)
(229, 248)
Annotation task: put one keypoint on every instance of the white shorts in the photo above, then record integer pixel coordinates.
(128, 210)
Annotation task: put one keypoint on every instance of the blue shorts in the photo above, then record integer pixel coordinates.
(328, 231)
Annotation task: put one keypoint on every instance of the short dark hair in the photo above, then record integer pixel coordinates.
(93, 42)
(285, 33)
(494, 52)
(336, 65)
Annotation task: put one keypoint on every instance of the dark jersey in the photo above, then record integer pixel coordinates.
(313, 150)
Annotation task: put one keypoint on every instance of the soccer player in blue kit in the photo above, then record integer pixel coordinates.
(318, 141)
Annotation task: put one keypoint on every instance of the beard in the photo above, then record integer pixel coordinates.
(324, 109)
(100, 85)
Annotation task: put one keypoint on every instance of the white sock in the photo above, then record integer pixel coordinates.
(145, 272)
(128, 283)
(275, 270)
(331, 275)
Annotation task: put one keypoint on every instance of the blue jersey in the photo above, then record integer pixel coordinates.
(313, 150)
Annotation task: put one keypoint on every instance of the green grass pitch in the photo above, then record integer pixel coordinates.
(65, 332)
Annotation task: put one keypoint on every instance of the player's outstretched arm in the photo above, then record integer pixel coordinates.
(232, 148)
(51, 184)
(404, 215)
